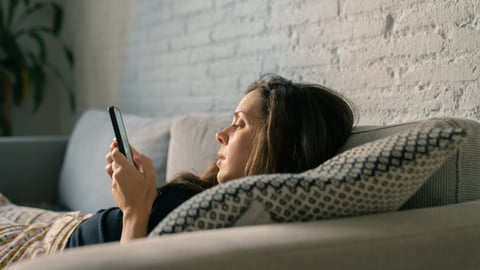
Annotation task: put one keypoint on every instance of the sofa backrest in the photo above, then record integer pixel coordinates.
(84, 184)
(193, 146)
(456, 181)
(188, 144)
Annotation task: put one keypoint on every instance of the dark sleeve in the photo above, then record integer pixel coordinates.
(106, 225)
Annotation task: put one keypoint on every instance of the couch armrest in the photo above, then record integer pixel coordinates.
(446, 237)
(30, 166)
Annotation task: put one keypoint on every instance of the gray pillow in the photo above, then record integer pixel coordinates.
(374, 177)
(84, 184)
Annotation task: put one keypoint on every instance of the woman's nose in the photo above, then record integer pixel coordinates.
(221, 137)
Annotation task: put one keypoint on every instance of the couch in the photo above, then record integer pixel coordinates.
(438, 227)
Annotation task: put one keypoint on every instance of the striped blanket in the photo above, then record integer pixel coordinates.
(29, 232)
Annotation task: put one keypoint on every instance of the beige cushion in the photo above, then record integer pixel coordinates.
(192, 145)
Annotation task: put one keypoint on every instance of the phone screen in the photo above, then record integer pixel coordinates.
(120, 132)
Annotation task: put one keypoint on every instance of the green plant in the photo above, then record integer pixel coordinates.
(24, 61)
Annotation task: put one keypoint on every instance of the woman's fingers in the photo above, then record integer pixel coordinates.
(118, 157)
(109, 170)
(108, 157)
(147, 166)
(134, 150)
(114, 144)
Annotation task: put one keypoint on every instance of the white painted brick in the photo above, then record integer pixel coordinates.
(184, 7)
(190, 40)
(465, 40)
(205, 20)
(223, 3)
(171, 57)
(249, 9)
(293, 13)
(225, 67)
(162, 10)
(188, 72)
(461, 70)
(216, 86)
(365, 78)
(354, 6)
(303, 58)
(379, 48)
(185, 103)
(442, 13)
(364, 27)
(470, 100)
(235, 29)
(264, 42)
(212, 52)
(167, 29)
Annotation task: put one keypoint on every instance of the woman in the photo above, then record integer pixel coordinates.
(277, 127)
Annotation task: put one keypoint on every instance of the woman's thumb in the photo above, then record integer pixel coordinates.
(145, 165)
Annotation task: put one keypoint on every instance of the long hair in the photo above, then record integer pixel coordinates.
(304, 125)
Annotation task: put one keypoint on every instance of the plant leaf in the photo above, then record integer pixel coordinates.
(69, 89)
(11, 12)
(57, 18)
(31, 9)
(5, 73)
(13, 52)
(69, 55)
(38, 81)
(1, 19)
(41, 46)
(17, 86)
(55, 72)
(72, 99)
(41, 29)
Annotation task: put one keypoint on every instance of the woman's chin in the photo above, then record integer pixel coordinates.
(223, 177)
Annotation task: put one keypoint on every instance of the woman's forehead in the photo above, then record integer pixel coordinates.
(250, 104)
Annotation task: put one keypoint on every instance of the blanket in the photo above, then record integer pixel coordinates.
(27, 232)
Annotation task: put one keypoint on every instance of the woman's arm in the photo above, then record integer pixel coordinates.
(134, 190)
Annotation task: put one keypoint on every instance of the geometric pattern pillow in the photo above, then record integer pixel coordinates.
(375, 177)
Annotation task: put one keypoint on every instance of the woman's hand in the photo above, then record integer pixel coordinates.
(134, 190)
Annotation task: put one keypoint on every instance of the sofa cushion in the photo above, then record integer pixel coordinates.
(193, 145)
(84, 184)
(374, 177)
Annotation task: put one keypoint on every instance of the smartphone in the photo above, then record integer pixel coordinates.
(120, 133)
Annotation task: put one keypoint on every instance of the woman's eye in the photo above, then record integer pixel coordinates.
(237, 125)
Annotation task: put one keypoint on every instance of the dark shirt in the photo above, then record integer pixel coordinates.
(106, 225)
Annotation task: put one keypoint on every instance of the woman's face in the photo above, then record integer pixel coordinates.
(236, 140)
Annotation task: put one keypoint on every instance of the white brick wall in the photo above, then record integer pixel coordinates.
(398, 60)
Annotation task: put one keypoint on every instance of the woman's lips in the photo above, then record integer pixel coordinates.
(220, 160)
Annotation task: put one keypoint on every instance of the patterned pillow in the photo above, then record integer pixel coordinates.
(371, 178)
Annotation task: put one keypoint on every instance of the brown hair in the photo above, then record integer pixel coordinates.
(304, 125)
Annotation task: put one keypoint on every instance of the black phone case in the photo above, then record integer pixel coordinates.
(116, 129)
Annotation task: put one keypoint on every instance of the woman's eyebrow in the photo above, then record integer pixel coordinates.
(237, 113)
(247, 115)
